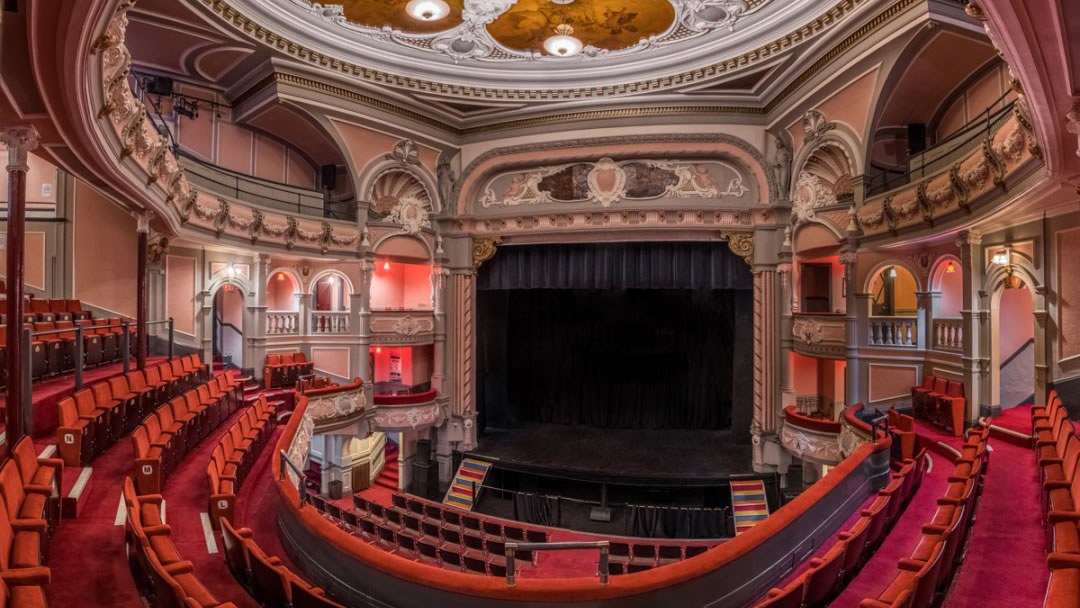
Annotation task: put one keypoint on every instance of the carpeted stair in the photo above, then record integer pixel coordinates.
(748, 504)
(388, 478)
(470, 474)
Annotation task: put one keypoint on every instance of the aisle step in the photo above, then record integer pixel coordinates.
(470, 474)
(749, 504)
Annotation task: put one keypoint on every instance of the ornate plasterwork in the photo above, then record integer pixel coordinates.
(850, 439)
(608, 182)
(819, 447)
(398, 196)
(741, 244)
(808, 331)
(815, 126)
(411, 417)
(810, 193)
(1072, 123)
(471, 39)
(483, 249)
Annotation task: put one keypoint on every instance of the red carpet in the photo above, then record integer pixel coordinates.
(1005, 563)
(48, 393)
(881, 568)
(1015, 419)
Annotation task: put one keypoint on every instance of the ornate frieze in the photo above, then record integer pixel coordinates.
(822, 448)
(606, 182)
(410, 417)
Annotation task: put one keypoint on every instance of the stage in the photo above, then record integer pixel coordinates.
(664, 457)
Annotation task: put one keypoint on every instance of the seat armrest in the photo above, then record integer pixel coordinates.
(158, 530)
(180, 568)
(19, 577)
(1056, 517)
(1055, 484)
(38, 489)
(911, 565)
(53, 463)
(29, 525)
(150, 498)
(932, 529)
(1063, 560)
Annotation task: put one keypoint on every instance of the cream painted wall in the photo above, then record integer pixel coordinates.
(34, 262)
(180, 292)
(1017, 320)
(280, 293)
(40, 180)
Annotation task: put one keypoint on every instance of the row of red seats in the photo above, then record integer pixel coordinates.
(96, 416)
(38, 309)
(1058, 449)
(924, 578)
(902, 428)
(264, 576)
(54, 354)
(830, 573)
(176, 428)
(941, 402)
(30, 489)
(233, 456)
(283, 369)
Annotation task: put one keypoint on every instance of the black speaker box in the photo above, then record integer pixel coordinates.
(328, 175)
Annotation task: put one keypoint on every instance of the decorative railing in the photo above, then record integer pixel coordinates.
(402, 327)
(409, 412)
(854, 432)
(949, 334)
(820, 335)
(330, 322)
(282, 323)
(894, 331)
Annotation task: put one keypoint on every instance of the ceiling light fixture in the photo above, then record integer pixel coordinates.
(386, 265)
(892, 272)
(281, 276)
(951, 268)
(563, 44)
(427, 10)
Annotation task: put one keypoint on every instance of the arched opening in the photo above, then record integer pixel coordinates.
(402, 277)
(892, 293)
(281, 293)
(1012, 355)
(330, 293)
(947, 283)
(228, 331)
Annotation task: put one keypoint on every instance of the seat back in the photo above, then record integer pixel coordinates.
(939, 385)
(790, 597)
(67, 335)
(179, 408)
(954, 389)
(102, 394)
(928, 381)
(153, 428)
(165, 416)
(299, 358)
(177, 368)
(69, 413)
(191, 398)
(136, 380)
(186, 365)
(823, 577)
(119, 385)
(84, 401)
(140, 442)
(268, 585)
(855, 545)
(235, 556)
(1070, 462)
(165, 372)
(927, 577)
(273, 359)
(11, 487)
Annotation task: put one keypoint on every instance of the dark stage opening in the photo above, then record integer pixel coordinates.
(617, 336)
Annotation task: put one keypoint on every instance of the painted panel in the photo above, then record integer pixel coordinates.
(1068, 251)
(104, 252)
(331, 360)
(952, 293)
(197, 134)
(984, 92)
(804, 374)
(301, 173)
(417, 288)
(851, 105)
(269, 159)
(180, 292)
(891, 381)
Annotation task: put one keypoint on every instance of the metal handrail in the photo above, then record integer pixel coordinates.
(302, 487)
(78, 331)
(513, 547)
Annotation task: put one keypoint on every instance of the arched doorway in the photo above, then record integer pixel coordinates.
(894, 307)
(228, 330)
(1012, 357)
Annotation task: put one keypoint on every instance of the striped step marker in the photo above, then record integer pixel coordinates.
(470, 472)
(749, 504)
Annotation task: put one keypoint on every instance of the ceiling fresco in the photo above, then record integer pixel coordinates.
(603, 24)
(394, 14)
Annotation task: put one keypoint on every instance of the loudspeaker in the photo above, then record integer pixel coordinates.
(423, 451)
(425, 480)
(916, 138)
(328, 173)
(160, 85)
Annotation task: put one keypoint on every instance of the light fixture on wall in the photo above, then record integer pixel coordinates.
(950, 268)
(386, 265)
(232, 270)
(281, 276)
(378, 349)
(892, 272)
(427, 10)
(563, 43)
(1001, 258)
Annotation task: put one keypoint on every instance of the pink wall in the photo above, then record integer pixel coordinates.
(232, 306)
(332, 360)
(1068, 251)
(1017, 321)
(951, 286)
(40, 180)
(180, 289)
(382, 363)
(34, 264)
(280, 290)
(104, 252)
(804, 374)
(402, 286)
(972, 101)
(216, 139)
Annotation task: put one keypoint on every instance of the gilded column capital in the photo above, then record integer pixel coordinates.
(19, 141)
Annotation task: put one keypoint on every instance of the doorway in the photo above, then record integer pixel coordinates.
(228, 331)
(1013, 350)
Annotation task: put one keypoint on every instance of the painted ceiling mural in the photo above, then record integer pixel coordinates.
(505, 30)
(606, 182)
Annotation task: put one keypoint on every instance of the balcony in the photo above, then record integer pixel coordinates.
(811, 438)
(410, 412)
(282, 323)
(329, 323)
(821, 335)
(402, 327)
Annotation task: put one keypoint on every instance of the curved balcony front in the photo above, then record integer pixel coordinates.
(402, 327)
(409, 412)
(821, 335)
(810, 438)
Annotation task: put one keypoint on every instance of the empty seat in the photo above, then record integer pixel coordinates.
(74, 435)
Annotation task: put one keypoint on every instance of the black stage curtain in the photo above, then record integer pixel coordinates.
(534, 509)
(616, 266)
(632, 336)
(675, 522)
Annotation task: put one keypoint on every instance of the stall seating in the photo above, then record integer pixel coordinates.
(41, 473)
(229, 463)
(831, 572)
(265, 578)
(1057, 448)
(283, 369)
(902, 427)
(923, 578)
(941, 402)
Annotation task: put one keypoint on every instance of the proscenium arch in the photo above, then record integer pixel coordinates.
(590, 149)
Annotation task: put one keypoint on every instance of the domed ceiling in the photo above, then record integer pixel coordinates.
(554, 43)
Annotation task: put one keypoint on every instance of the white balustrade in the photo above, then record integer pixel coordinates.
(329, 322)
(949, 334)
(894, 331)
(282, 323)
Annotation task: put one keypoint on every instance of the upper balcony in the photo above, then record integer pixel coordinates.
(822, 335)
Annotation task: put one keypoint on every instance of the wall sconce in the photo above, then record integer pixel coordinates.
(951, 268)
(386, 265)
(232, 270)
(1001, 258)
(378, 349)
(892, 272)
(281, 276)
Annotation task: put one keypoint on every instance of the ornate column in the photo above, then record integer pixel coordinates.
(303, 316)
(142, 309)
(256, 336)
(439, 275)
(851, 324)
(360, 307)
(787, 322)
(976, 358)
(766, 363)
(1042, 362)
(19, 141)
